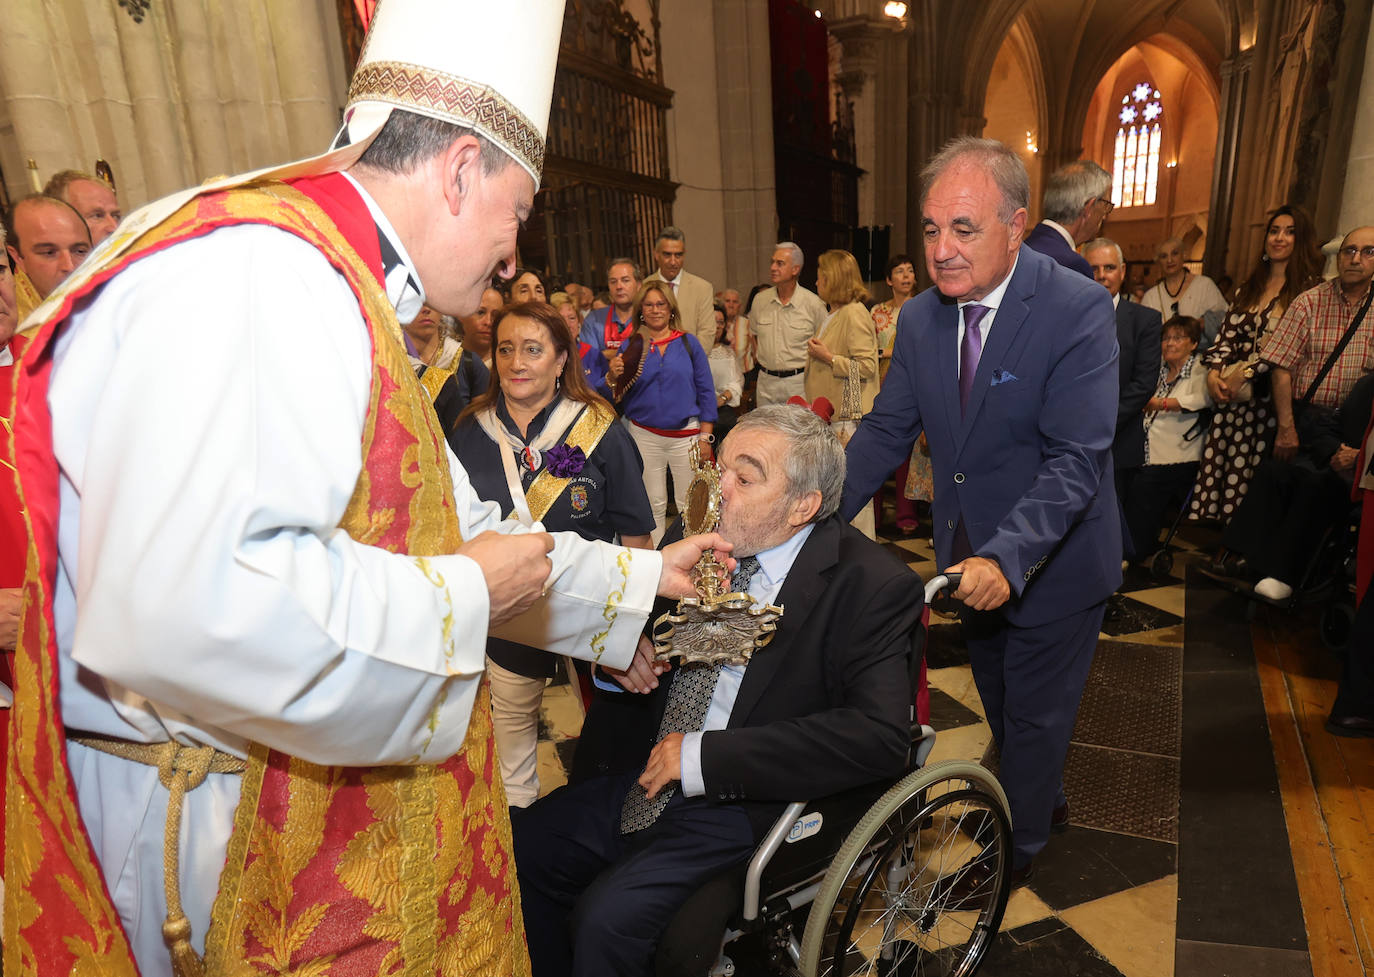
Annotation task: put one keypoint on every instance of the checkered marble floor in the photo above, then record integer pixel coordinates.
(1103, 899)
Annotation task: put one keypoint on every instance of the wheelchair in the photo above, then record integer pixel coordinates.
(874, 871)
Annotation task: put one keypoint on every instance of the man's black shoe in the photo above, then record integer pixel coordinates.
(1059, 819)
(1351, 725)
(974, 885)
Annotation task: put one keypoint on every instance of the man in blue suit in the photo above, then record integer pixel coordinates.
(1009, 366)
(1077, 201)
(1138, 330)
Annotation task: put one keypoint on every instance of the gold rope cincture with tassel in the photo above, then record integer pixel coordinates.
(180, 769)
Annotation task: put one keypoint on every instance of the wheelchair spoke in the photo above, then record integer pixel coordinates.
(921, 889)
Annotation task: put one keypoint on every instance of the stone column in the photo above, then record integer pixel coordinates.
(935, 109)
(892, 174)
(208, 151)
(1235, 84)
(858, 37)
(195, 90)
(688, 57)
(37, 108)
(1357, 198)
(303, 76)
(155, 135)
(744, 90)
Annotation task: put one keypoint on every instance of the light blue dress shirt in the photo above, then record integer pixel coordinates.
(774, 565)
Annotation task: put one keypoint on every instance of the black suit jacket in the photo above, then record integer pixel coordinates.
(1051, 243)
(826, 705)
(1137, 333)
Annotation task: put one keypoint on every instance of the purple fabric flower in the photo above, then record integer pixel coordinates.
(563, 461)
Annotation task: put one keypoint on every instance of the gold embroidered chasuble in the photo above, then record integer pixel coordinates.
(331, 871)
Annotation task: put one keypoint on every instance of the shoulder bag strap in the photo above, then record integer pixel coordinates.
(1340, 348)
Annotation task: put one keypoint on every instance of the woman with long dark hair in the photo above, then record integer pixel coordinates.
(1237, 378)
(545, 448)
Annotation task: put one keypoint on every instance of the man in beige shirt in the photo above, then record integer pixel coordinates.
(694, 294)
(783, 317)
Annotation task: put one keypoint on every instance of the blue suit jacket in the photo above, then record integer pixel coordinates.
(1137, 333)
(1028, 469)
(1048, 241)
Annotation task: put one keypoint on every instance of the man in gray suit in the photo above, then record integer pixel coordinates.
(695, 295)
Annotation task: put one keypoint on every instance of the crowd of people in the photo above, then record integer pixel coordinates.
(311, 614)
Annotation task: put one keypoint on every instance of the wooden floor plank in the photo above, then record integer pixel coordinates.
(1333, 945)
(1345, 789)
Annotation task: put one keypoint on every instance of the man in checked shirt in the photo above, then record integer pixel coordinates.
(1305, 488)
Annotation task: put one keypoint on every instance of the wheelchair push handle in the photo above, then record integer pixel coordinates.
(942, 581)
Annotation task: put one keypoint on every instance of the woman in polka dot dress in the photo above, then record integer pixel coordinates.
(1243, 424)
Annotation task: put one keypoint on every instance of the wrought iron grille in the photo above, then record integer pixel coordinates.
(606, 187)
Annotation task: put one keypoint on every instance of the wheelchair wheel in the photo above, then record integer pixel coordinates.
(886, 907)
(1338, 620)
(1161, 563)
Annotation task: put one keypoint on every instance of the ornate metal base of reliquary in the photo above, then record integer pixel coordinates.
(717, 625)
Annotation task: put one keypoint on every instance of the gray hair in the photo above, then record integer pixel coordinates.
(634, 265)
(1003, 165)
(1072, 186)
(815, 457)
(789, 246)
(1104, 242)
(671, 233)
(59, 183)
(408, 139)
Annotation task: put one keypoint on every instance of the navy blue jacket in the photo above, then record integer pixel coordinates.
(1028, 469)
(1137, 333)
(1048, 241)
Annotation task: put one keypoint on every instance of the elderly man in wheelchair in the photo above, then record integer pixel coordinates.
(639, 870)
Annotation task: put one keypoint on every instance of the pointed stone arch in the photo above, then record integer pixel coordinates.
(1015, 107)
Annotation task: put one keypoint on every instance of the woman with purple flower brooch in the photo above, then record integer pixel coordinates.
(545, 448)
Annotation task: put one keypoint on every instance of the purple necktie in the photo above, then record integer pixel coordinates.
(969, 351)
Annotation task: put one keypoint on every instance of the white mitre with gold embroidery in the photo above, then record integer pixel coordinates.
(432, 57)
(436, 59)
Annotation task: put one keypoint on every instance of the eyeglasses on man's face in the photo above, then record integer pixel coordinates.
(1350, 251)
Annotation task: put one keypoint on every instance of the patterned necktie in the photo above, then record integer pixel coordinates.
(689, 700)
(970, 350)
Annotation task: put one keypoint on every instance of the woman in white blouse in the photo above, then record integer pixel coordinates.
(1180, 292)
(1175, 431)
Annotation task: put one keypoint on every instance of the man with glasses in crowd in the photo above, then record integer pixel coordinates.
(1078, 198)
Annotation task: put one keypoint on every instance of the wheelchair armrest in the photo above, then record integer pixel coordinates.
(771, 843)
(922, 746)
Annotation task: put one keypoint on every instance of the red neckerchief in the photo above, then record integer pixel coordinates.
(615, 337)
(665, 340)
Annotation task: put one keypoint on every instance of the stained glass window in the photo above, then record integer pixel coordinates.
(1135, 169)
